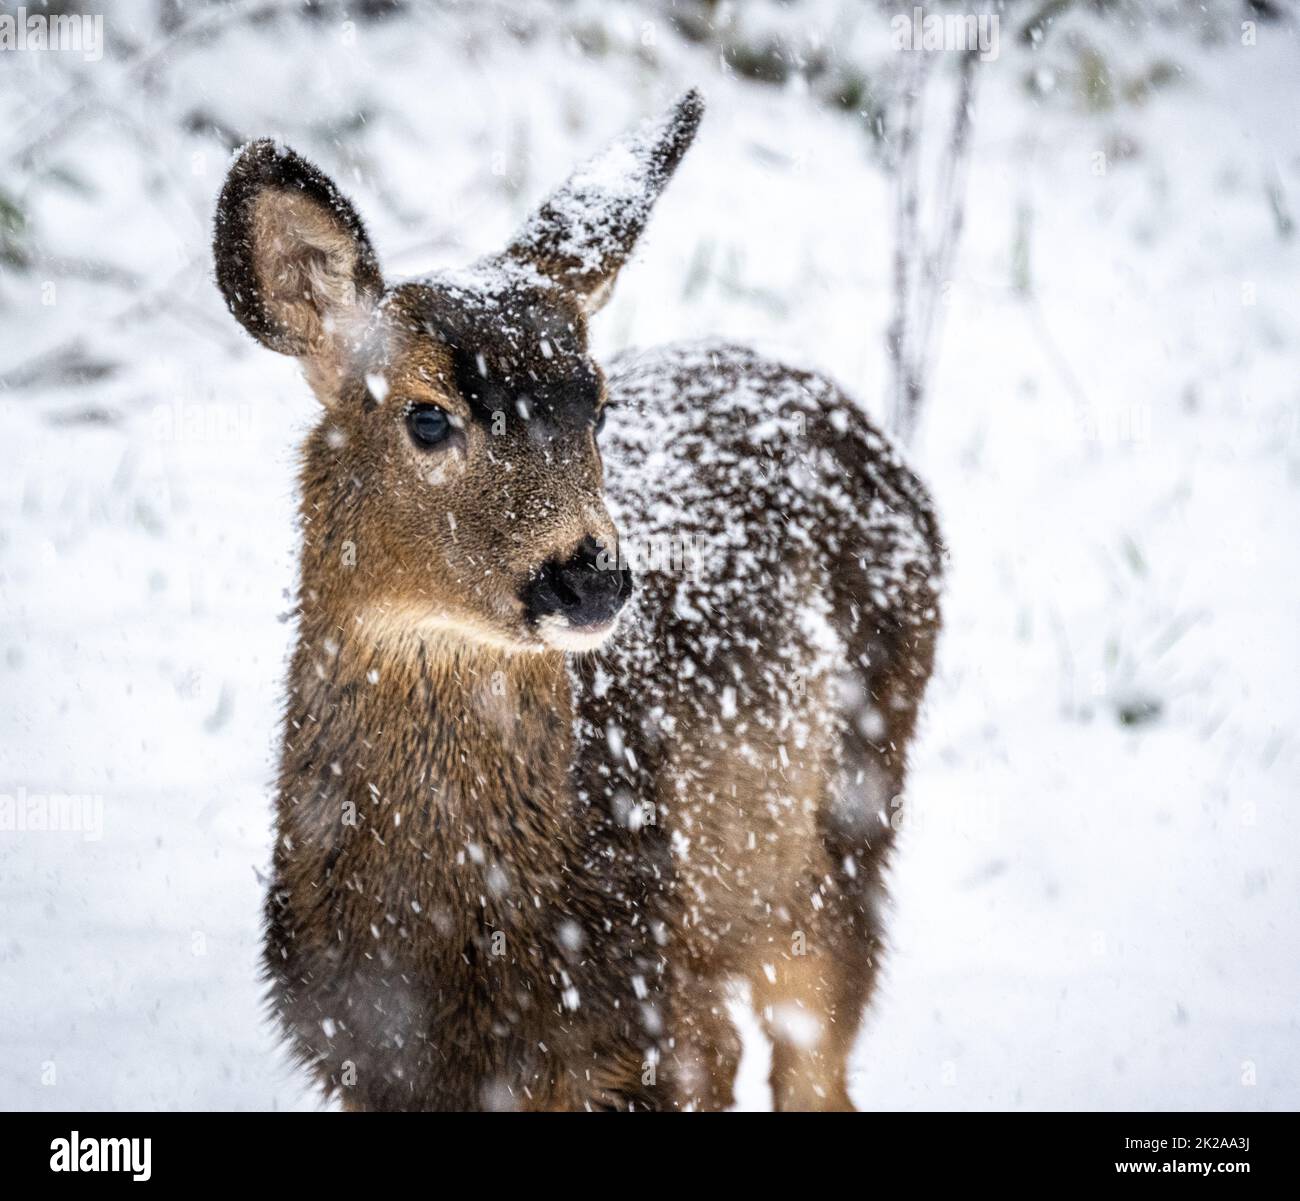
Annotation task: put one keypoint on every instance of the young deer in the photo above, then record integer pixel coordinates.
(510, 877)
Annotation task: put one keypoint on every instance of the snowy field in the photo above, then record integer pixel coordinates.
(1097, 895)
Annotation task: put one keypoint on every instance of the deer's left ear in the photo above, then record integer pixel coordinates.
(582, 234)
(293, 259)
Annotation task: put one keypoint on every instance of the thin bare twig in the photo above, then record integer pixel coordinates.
(906, 205)
(920, 273)
(951, 212)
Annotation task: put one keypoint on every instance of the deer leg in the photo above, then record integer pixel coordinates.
(814, 970)
(809, 1007)
(704, 1053)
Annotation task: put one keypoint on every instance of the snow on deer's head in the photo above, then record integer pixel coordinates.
(457, 455)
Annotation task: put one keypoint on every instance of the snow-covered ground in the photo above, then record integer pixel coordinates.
(1097, 898)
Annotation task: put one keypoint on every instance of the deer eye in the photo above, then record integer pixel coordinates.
(600, 419)
(429, 425)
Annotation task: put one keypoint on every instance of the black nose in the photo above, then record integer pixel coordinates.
(587, 589)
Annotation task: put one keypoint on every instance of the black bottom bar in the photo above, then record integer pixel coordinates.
(333, 1151)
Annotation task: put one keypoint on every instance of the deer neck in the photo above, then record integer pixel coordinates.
(433, 720)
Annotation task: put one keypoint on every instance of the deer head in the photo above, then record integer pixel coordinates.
(457, 454)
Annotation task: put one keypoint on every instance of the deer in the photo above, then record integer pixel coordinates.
(604, 678)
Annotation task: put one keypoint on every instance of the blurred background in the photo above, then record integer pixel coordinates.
(1097, 894)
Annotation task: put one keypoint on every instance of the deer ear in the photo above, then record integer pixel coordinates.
(582, 234)
(292, 257)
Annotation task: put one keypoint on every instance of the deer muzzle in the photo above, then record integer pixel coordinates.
(578, 598)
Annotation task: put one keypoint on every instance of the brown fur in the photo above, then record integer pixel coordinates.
(509, 878)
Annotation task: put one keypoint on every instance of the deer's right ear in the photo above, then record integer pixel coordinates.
(583, 233)
(293, 259)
